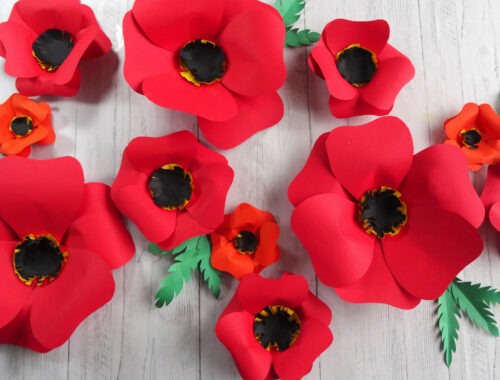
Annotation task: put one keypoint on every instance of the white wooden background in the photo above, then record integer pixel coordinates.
(455, 47)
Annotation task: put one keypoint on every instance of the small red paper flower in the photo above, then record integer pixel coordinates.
(59, 240)
(221, 60)
(364, 74)
(491, 195)
(245, 242)
(475, 130)
(274, 328)
(172, 187)
(24, 122)
(43, 42)
(380, 224)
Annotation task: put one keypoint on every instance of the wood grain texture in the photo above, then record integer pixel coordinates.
(455, 48)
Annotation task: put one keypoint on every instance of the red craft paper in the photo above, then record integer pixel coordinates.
(491, 195)
(235, 327)
(251, 35)
(49, 197)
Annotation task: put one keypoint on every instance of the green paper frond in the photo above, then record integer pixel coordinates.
(290, 10)
(448, 315)
(295, 37)
(155, 250)
(210, 275)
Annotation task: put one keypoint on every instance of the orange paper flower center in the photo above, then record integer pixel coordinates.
(246, 242)
(202, 62)
(382, 212)
(470, 138)
(276, 327)
(51, 48)
(21, 126)
(171, 187)
(38, 259)
(357, 65)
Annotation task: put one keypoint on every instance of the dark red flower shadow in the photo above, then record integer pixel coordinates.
(438, 239)
(241, 102)
(235, 327)
(390, 70)
(211, 179)
(49, 198)
(29, 20)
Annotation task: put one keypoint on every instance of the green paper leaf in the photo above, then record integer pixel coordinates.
(488, 294)
(448, 324)
(155, 250)
(210, 274)
(468, 298)
(295, 37)
(290, 10)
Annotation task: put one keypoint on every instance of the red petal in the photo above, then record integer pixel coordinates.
(6, 233)
(186, 228)
(235, 331)
(253, 43)
(378, 286)
(99, 228)
(40, 196)
(465, 119)
(433, 247)
(14, 292)
(247, 216)
(314, 308)
(494, 216)
(84, 285)
(43, 85)
(226, 258)
(101, 43)
(255, 292)
(268, 252)
(315, 177)
(341, 251)
(491, 190)
(439, 178)
(371, 35)
(372, 155)
(254, 114)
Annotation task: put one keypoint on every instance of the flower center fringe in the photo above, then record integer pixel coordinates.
(356, 64)
(171, 187)
(38, 258)
(21, 126)
(51, 48)
(382, 212)
(202, 62)
(246, 242)
(470, 138)
(276, 327)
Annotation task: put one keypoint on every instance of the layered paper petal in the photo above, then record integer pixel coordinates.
(491, 195)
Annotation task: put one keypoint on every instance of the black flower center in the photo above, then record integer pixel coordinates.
(38, 258)
(21, 126)
(202, 62)
(382, 212)
(51, 48)
(276, 327)
(246, 242)
(171, 187)
(357, 65)
(470, 138)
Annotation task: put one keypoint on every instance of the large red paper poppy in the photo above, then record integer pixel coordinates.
(380, 224)
(221, 60)
(43, 42)
(475, 130)
(245, 242)
(24, 122)
(363, 73)
(172, 187)
(274, 328)
(491, 195)
(59, 240)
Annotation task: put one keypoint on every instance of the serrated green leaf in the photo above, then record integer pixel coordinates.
(467, 298)
(488, 294)
(448, 324)
(290, 10)
(295, 37)
(210, 274)
(155, 250)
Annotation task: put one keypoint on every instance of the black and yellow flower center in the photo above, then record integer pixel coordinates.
(382, 212)
(276, 327)
(21, 126)
(171, 187)
(38, 258)
(246, 242)
(470, 138)
(51, 48)
(202, 62)
(357, 65)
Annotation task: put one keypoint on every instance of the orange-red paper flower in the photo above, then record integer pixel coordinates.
(24, 122)
(475, 130)
(245, 242)
(44, 41)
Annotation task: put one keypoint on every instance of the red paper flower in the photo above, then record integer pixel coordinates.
(221, 60)
(172, 187)
(43, 42)
(274, 328)
(245, 242)
(59, 239)
(491, 195)
(380, 224)
(24, 122)
(475, 130)
(364, 74)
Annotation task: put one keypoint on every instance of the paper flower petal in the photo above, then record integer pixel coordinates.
(225, 258)
(465, 118)
(268, 253)
(435, 246)
(491, 195)
(494, 216)
(359, 163)
(43, 85)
